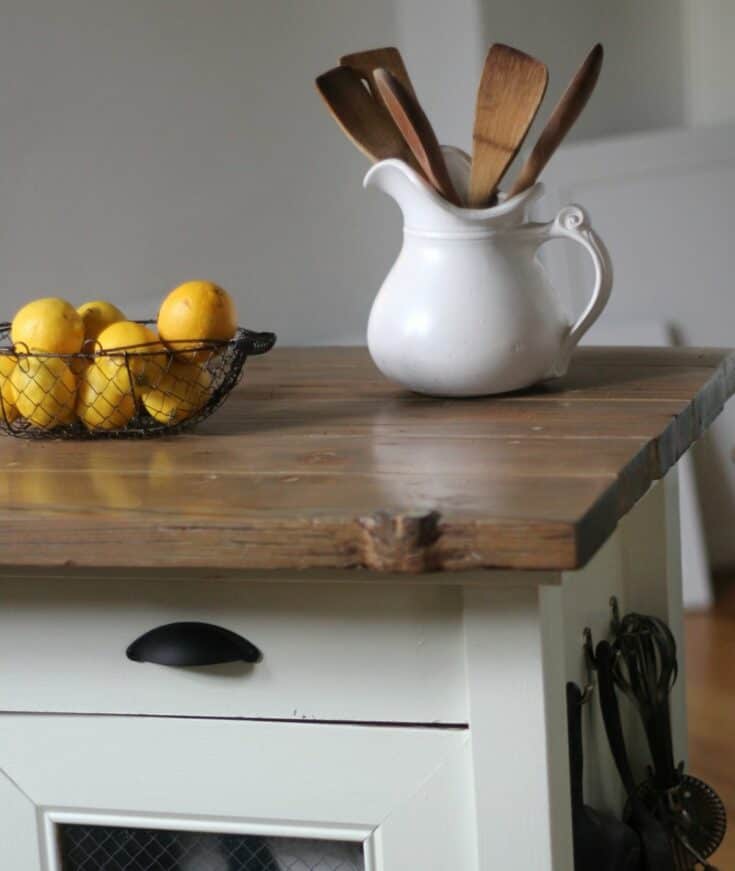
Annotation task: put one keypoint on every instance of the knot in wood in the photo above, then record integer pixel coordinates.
(400, 542)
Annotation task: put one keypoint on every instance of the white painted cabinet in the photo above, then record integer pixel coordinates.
(377, 651)
(400, 797)
(393, 724)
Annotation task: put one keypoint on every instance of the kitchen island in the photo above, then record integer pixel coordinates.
(415, 573)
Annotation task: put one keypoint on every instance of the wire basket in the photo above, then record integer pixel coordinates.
(131, 392)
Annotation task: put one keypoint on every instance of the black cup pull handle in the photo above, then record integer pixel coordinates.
(182, 644)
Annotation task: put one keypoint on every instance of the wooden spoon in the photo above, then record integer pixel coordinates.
(366, 62)
(511, 89)
(565, 113)
(411, 120)
(362, 118)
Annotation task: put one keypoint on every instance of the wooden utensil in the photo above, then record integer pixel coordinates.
(411, 120)
(565, 113)
(366, 62)
(362, 118)
(510, 93)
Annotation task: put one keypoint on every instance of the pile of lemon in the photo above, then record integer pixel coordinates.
(94, 365)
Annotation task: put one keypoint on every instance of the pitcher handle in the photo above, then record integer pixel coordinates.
(572, 222)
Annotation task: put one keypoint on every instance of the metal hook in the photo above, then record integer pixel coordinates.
(615, 608)
(589, 658)
(589, 650)
(587, 694)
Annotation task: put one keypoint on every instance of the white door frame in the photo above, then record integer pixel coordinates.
(405, 793)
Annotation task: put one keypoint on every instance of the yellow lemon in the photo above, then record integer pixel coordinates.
(45, 391)
(181, 392)
(96, 316)
(141, 346)
(51, 325)
(7, 364)
(8, 408)
(105, 399)
(9, 412)
(194, 312)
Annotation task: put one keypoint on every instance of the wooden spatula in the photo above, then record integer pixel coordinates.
(511, 89)
(565, 113)
(366, 62)
(411, 120)
(362, 118)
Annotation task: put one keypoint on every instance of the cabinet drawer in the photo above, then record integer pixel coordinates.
(363, 653)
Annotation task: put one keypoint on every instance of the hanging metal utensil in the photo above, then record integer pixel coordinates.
(601, 842)
(695, 816)
(645, 669)
(655, 842)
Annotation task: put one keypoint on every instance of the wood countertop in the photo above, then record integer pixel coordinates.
(317, 462)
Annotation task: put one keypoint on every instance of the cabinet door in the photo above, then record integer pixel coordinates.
(305, 795)
(19, 842)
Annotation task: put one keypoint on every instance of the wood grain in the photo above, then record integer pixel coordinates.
(511, 89)
(317, 462)
(561, 120)
(416, 129)
(711, 701)
(364, 120)
(366, 62)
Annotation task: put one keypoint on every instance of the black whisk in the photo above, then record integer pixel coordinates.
(646, 670)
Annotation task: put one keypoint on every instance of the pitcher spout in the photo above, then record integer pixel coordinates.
(426, 212)
(417, 200)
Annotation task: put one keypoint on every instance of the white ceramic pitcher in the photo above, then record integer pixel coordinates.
(467, 309)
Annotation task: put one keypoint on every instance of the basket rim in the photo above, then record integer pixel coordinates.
(250, 341)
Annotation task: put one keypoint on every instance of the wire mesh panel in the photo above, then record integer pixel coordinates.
(113, 848)
(298, 854)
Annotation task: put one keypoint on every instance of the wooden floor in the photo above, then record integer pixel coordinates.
(711, 691)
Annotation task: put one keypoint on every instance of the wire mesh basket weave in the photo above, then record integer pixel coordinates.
(135, 391)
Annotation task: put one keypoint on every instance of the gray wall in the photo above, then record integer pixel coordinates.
(145, 142)
(641, 87)
(148, 141)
